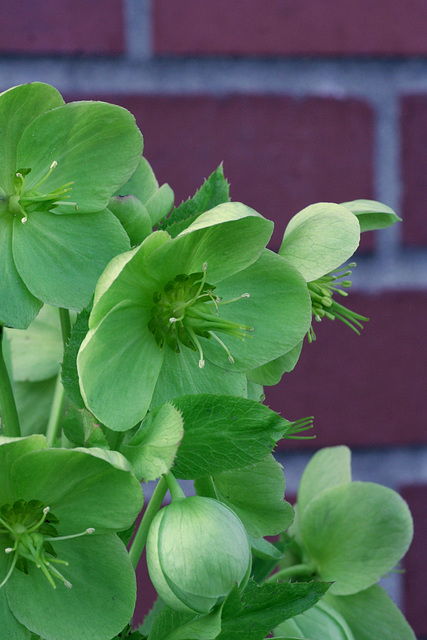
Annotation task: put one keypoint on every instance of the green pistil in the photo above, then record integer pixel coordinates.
(25, 201)
(187, 310)
(324, 306)
(29, 528)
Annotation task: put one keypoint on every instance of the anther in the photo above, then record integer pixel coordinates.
(8, 550)
(24, 220)
(46, 510)
(90, 530)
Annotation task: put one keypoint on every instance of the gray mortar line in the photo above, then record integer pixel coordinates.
(138, 29)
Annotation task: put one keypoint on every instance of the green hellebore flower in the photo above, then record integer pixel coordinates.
(64, 573)
(197, 550)
(189, 315)
(59, 165)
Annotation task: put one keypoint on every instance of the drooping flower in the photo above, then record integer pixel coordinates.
(189, 314)
(63, 570)
(59, 165)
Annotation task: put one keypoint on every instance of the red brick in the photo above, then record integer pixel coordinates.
(414, 159)
(290, 27)
(61, 27)
(366, 390)
(415, 562)
(280, 154)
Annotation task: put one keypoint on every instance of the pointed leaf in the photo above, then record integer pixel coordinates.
(224, 432)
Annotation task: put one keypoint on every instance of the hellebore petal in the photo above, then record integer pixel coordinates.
(202, 292)
(60, 164)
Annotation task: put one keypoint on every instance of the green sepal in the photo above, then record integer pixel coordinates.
(133, 216)
(354, 533)
(271, 373)
(152, 449)
(319, 239)
(371, 214)
(264, 550)
(175, 625)
(321, 622)
(371, 614)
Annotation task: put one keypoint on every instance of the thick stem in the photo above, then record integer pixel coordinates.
(153, 506)
(174, 487)
(9, 414)
(295, 571)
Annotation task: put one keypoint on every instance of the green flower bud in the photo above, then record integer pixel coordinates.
(197, 549)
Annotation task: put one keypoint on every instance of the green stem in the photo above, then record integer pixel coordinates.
(174, 487)
(9, 414)
(153, 506)
(55, 411)
(295, 571)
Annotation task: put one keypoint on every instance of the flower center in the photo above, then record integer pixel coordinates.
(26, 200)
(323, 305)
(28, 527)
(187, 309)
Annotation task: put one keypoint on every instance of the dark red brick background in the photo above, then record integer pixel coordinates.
(290, 27)
(61, 27)
(280, 152)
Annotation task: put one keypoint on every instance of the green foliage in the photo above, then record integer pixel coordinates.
(161, 376)
(214, 191)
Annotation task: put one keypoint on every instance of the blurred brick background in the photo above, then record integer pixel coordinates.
(303, 101)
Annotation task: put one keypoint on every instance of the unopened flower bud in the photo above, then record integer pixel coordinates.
(197, 549)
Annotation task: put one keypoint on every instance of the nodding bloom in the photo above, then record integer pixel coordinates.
(201, 308)
(59, 165)
(62, 565)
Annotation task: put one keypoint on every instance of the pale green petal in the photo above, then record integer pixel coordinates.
(118, 364)
(278, 309)
(18, 307)
(181, 375)
(96, 146)
(81, 489)
(99, 605)
(10, 450)
(228, 238)
(355, 533)
(19, 106)
(320, 238)
(60, 258)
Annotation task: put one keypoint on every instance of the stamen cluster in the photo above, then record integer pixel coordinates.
(29, 526)
(187, 309)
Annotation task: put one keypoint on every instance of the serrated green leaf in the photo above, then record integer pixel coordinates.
(214, 191)
(174, 625)
(265, 607)
(371, 214)
(152, 449)
(224, 432)
(256, 493)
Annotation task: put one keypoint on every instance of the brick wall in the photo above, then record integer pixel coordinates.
(303, 101)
